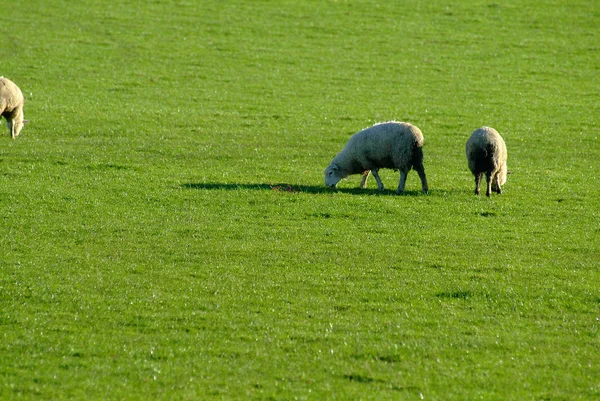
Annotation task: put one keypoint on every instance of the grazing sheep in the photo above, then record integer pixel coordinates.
(392, 145)
(486, 153)
(11, 106)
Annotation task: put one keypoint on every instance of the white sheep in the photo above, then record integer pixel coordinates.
(11, 106)
(486, 153)
(392, 145)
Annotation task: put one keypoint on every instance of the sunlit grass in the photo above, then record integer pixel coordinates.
(167, 233)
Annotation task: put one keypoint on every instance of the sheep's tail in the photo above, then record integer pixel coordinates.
(417, 153)
(419, 140)
(417, 150)
(490, 149)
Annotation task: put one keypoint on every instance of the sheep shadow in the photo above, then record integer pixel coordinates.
(286, 187)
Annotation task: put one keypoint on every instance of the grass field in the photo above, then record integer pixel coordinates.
(166, 232)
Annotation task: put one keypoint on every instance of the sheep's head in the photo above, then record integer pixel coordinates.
(503, 172)
(15, 127)
(501, 179)
(333, 175)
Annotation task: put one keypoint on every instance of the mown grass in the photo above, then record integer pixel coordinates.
(167, 233)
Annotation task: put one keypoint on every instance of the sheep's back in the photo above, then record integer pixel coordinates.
(10, 95)
(385, 145)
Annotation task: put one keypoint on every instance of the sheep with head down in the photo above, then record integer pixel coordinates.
(11, 106)
(486, 154)
(393, 145)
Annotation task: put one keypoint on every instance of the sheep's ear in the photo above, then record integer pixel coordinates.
(509, 172)
(334, 167)
(25, 122)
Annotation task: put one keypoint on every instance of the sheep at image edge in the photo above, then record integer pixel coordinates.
(486, 153)
(11, 106)
(393, 145)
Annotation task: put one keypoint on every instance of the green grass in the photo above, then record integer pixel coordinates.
(166, 232)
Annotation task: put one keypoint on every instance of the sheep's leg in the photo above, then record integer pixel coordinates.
(402, 182)
(365, 176)
(12, 126)
(375, 173)
(477, 182)
(421, 171)
(488, 180)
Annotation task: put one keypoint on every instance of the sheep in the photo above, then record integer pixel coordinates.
(11, 106)
(486, 153)
(393, 145)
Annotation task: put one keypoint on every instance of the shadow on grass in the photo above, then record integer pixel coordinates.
(285, 187)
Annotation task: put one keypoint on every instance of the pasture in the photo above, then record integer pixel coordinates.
(166, 232)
